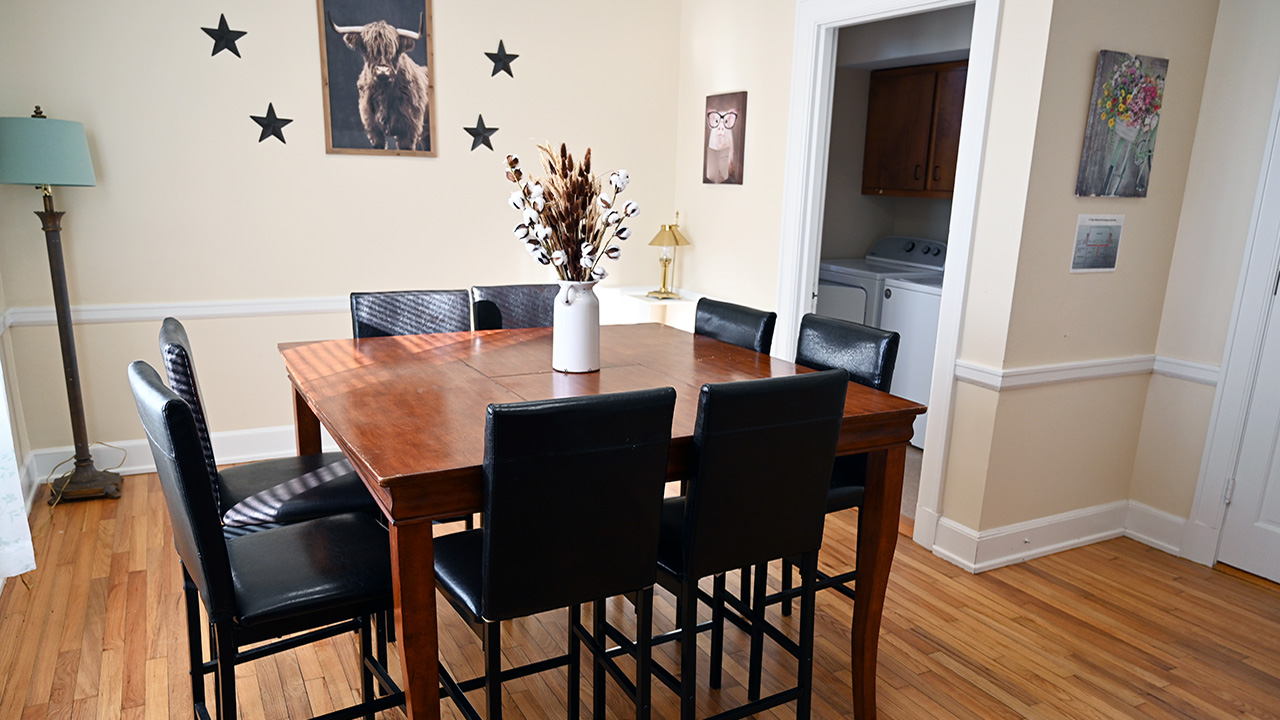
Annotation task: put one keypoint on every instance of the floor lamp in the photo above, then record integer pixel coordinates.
(43, 152)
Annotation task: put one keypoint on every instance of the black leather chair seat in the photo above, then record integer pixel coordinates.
(848, 483)
(300, 571)
(458, 571)
(292, 489)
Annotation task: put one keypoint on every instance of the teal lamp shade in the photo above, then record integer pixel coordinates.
(44, 151)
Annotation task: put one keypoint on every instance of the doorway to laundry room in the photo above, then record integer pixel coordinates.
(896, 110)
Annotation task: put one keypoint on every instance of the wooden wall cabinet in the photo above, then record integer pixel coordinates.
(913, 130)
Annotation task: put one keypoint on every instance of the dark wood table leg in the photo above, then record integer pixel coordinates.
(877, 538)
(306, 426)
(412, 563)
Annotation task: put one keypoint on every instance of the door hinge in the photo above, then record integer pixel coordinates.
(1231, 488)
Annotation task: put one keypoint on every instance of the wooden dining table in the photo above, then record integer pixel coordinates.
(409, 412)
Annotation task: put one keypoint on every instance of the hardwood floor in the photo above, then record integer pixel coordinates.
(1114, 630)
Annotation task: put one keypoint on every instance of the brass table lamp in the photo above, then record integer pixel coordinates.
(42, 152)
(668, 238)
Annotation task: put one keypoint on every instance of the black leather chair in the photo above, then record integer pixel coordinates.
(735, 324)
(572, 501)
(513, 306)
(868, 354)
(409, 312)
(765, 450)
(745, 327)
(269, 493)
(321, 577)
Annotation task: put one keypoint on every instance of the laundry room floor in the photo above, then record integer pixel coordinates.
(911, 482)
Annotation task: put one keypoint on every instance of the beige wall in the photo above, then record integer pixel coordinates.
(1070, 446)
(191, 207)
(730, 46)
(1059, 316)
(1244, 67)
(851, 221)
(184, 182)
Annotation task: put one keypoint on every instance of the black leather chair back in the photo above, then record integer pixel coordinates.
(765, 450)
(867, 353)
(513, 306)
(409, 312)
(573, 497)
(175, 349)
(187, 486)
(736, 324)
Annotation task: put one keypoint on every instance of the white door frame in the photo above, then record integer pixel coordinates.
(1249, 315)
(808, 137)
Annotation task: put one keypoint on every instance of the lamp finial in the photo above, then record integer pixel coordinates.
(39, 114)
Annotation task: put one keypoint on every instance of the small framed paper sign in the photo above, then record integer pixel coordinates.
(1097, 243)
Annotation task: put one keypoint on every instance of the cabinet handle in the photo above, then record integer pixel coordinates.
(917, 172)
(935, 172)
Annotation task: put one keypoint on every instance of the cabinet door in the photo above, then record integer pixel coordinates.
(947, 108)
(898, 125)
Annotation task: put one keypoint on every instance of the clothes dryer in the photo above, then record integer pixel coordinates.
(852, 289)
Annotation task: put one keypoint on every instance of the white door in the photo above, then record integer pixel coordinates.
(1251, 532)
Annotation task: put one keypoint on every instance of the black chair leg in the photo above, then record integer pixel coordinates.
(367, 687)
(757, 638)
(195, 651)
(744, 585)
(688, 619)
(786, 585)
(573, 697)
(225, 674)
(598, 679)
(492, 642)
(717, 628)
(644, 653)
(808, 607)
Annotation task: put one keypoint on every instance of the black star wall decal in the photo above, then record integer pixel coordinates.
(224, 38)
(501, 60)
(480, 134)
(271, 125)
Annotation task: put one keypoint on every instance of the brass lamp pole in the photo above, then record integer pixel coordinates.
(668, 238)
(43, 152)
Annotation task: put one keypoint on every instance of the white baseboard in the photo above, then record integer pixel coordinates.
(234, 446)
(1153, 527)
(989, 549)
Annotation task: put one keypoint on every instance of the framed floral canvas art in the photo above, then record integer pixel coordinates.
(1124, 116)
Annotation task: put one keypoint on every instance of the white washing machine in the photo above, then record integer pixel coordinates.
(853, 289)
(897, 286)
(910, 308)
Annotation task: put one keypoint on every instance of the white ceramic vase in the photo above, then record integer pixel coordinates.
(575, 335)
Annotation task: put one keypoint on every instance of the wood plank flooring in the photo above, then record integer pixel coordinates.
(1114, 630)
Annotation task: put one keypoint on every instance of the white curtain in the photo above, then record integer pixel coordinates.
(16, 553)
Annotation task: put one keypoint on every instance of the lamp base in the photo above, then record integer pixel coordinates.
(84, 483)
(663, 295)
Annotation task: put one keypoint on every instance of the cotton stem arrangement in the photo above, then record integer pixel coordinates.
(567, 221)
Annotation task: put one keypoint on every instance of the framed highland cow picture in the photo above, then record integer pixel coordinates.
(376, 69)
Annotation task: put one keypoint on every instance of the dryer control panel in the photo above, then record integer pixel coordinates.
(908, 251)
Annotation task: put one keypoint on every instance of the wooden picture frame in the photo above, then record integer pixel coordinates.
(397, 36)
(724, 126)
